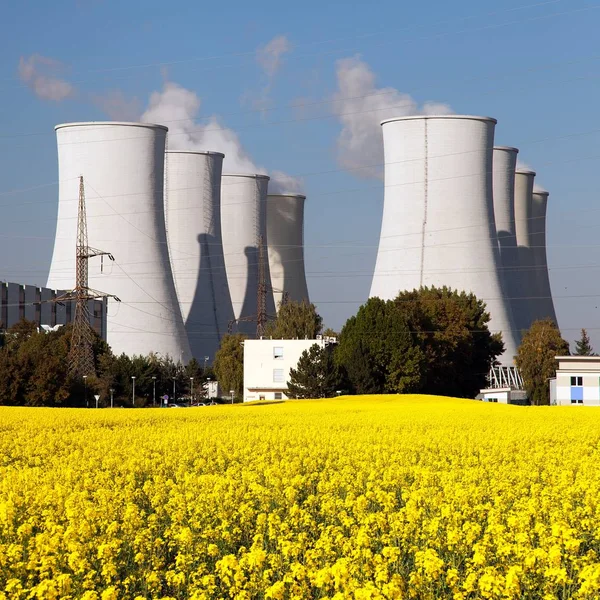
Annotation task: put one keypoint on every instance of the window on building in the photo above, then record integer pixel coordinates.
(278, 352)
(278, 396)
(577, 390)
(278, 376)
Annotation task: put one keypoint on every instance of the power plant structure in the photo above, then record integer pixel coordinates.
(285, 241)
(544, 303)
(123, 166)
(438, 225)
(525, 298)
(244, 231)
(197, 250)
(503, 186)
(193, 223)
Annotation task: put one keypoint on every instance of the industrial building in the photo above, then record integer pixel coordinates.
(244, 233)
(577, 381)
(503, 185)
(123, 168)
(525, 296)
(193, 223)
(438, 225)
(267, 365)
(199, 253)
(38, 305)
(544, 303)
(285, 240)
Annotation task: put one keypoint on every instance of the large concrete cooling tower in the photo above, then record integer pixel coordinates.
(244, 222)
(438, 217)
(545, 305)
(285, 235)
(525, 300)
(193, 219)
(503, 176)
(122, 165)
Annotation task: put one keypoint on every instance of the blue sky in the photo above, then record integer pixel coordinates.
(533, 66)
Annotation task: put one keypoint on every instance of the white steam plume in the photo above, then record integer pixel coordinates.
(521, 165)
(39, 73)
(270, 59)
(537, 186)
(360, 107)
(270, 56)
(282, 183)
(178, 108)
(117, 105)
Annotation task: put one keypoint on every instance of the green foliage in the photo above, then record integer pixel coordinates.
(316, 376)
(229, 364)
(34, 372)
(535, 358)
(451, 330)
(583, 346)
(295, 320)
(431, 340)
(377, 351)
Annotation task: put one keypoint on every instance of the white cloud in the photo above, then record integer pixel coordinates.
(40, 74)
(360, 107)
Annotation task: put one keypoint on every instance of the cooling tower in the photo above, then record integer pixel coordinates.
(193, 219)
(285, 235)
(545, 305)
(525, 300)
(243, 222)
(503, 176)
(123, 166)
(438, 217)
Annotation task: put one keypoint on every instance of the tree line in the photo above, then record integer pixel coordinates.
(34, 372)
(429, 341)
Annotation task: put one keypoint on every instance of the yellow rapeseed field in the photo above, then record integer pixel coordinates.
(367, 497)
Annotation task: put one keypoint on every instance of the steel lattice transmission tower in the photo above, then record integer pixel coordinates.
(261, 317)
(81, 354)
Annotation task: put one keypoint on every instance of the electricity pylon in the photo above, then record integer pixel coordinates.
(261, 317)
(81, 354)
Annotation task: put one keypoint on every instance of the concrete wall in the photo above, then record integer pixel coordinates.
(193, 219)
(285, 239)
(438, 218)
(243, 222)
(545, 305)
(123, 169)
(525, 299)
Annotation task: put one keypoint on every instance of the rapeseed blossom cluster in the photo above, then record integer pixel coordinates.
(369, 497)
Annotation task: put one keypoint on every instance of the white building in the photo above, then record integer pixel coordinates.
(577, 381)
(267, 365)
(503, 395)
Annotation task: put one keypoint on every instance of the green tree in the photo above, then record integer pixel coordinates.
(295, 320)
(451, 330)
(316, 375)
(229, 364)
(377, 350)
(583, 346)
(535, 358)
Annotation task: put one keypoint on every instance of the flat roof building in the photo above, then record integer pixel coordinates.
(36, 304)
(267, 365)
(577, 381)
